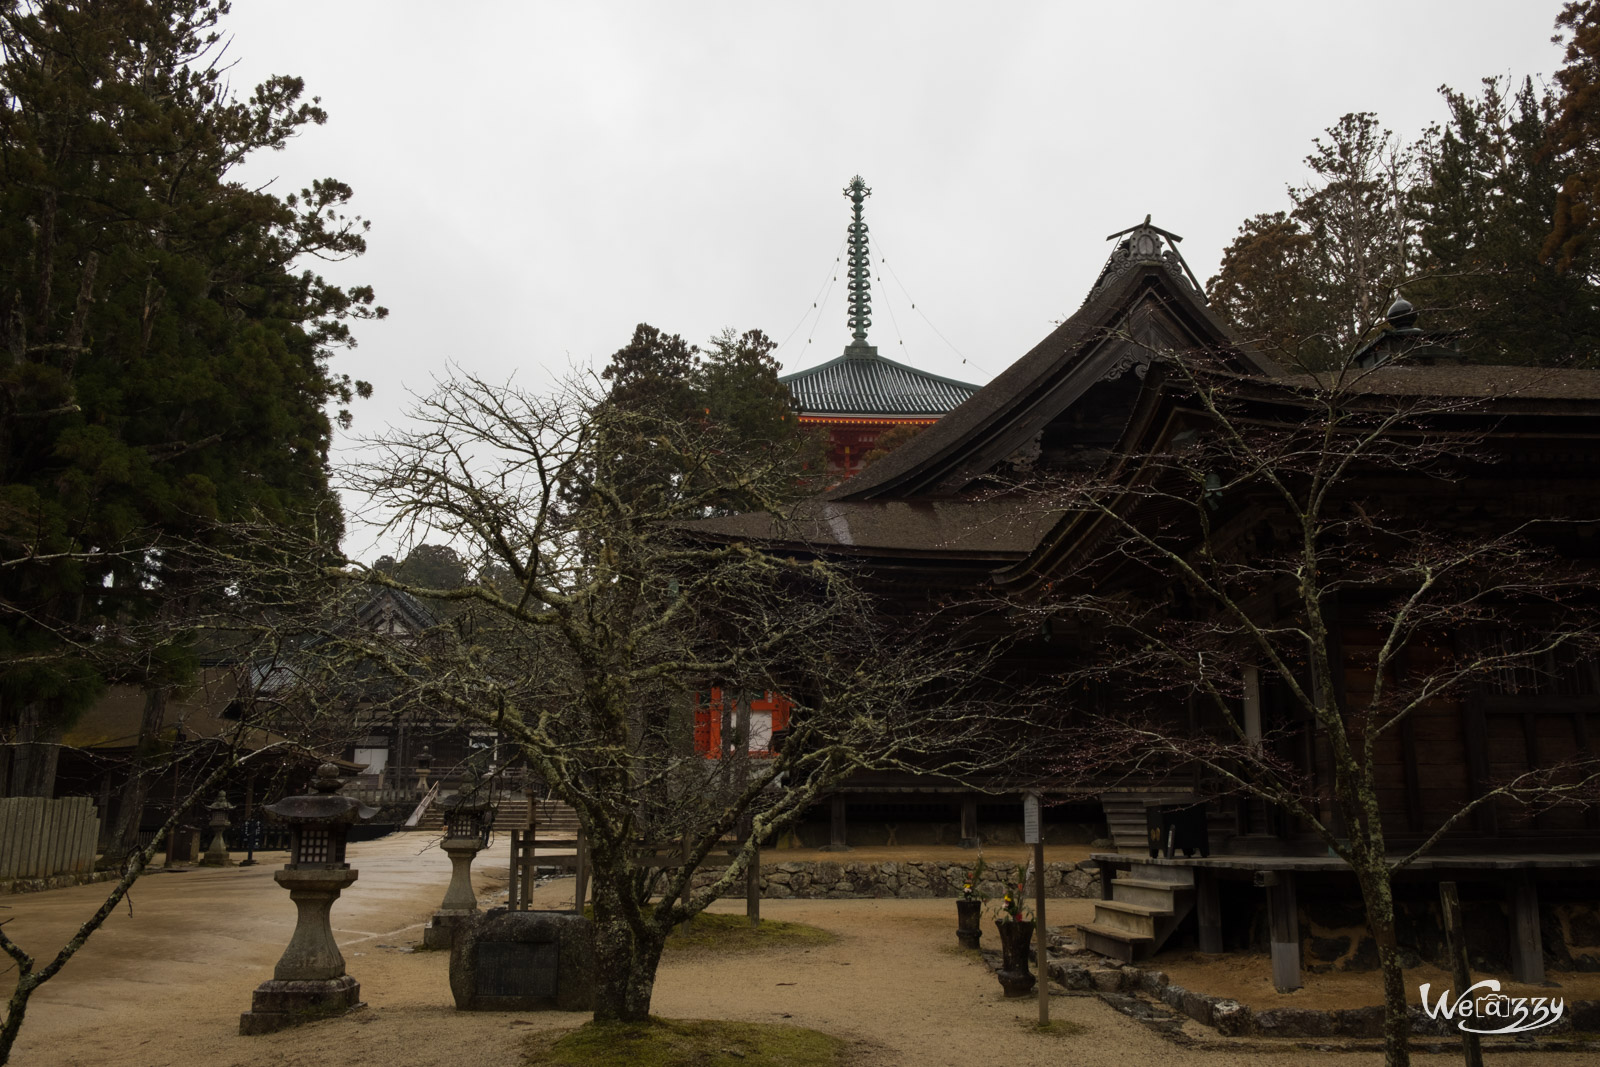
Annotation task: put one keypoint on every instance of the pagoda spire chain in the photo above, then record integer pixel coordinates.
(860, 272)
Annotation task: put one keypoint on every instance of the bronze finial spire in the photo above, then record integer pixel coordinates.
(860, 273)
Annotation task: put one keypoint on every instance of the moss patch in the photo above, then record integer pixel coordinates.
(685, 1043)
(973, 954)
(733, 933)
(1055, 1027)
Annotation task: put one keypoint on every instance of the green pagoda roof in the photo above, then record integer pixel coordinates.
(864, 383)
(861, 382)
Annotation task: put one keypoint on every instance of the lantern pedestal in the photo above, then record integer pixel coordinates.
(309, 981)
(276, 1005)
(460, 903)
(217, 857)
(313, 954)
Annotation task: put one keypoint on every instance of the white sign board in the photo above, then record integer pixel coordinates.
(1030, 818)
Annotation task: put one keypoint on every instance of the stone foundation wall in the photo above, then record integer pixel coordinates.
(57, 881)
(889, 878)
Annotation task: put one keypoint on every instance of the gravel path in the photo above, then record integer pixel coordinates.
(166, 985)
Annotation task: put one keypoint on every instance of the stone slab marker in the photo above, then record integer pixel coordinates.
(524, 961)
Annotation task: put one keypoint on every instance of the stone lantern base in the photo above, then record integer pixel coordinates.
(277, 1004)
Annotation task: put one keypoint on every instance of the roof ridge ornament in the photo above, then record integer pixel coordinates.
(860, 274)
(1145, 243)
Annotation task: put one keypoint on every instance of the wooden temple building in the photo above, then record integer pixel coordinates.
(957, 512)
(858, 395)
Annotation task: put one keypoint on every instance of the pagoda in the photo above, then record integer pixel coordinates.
(858, 395)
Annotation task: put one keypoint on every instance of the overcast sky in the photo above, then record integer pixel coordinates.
(543, 176)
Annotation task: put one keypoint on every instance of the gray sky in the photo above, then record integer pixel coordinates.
(543, 176)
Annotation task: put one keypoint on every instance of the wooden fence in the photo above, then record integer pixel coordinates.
(42, 838)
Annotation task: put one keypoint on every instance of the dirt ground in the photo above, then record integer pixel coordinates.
(165, 986)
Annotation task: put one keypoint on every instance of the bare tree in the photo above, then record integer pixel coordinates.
(1355, 543)
(598, 612)
(216, 763)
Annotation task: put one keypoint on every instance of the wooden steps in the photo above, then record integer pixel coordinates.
(1125, 816)
(1147, 904)
(554, 819)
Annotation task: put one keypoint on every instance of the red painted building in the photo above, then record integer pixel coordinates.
(716, 718)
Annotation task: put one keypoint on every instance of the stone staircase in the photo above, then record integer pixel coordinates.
(1147, 903)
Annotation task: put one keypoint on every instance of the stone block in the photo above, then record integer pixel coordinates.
(524, 961)
(1153, 982)
(1359, 1022)
(1232, 1019)
(1073, 976)
(1106, 981)
(1172, 996)
(1294, 1022)
(1585, 1015)
(1196, 1006)
(277, 1004)
(440, 932)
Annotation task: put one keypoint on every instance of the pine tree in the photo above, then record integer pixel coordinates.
(1486, 208)
(732, 391)
(163, 363)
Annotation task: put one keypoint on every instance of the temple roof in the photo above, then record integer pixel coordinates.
(931, 497)
(994, 528)
(868, 384)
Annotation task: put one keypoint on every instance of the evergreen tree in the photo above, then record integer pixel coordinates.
(1576, 134)
(1486, 208)
(163, 364)
(731, 391)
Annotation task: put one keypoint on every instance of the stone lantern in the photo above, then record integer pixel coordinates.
(217, 853)
(468, 818)
(424, 761)
(309, 981)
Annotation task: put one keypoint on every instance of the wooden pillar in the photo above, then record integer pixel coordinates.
(1456, 942)
(836, 825)
(1208, 909)
(969, 823)
(1284, 920)
(752, 889)
(1527, 946)
(580, 888)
